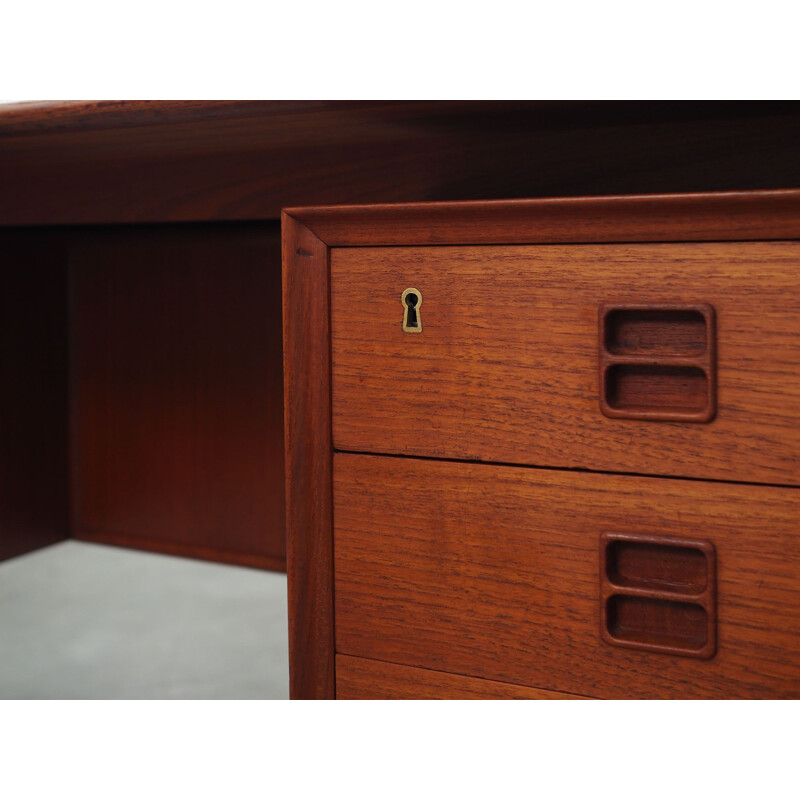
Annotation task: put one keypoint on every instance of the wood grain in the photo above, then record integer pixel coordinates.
(48, 116)
(77, 116)
(492, 572)
(68, 164)
(177, 391)
(362, 679)
(163, 543)
(505, 369)
(720, 216)
(34, 499)
(658, 593)
(308, 463)
(658, 362)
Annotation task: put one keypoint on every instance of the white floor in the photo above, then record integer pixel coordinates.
(86, 621)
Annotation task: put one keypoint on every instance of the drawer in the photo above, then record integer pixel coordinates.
(668, 359)
(589, 584)
(362, 679)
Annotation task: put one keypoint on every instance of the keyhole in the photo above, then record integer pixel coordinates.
(412, 300)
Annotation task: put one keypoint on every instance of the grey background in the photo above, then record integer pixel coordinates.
(86, 621)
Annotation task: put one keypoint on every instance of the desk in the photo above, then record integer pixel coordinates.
(141, 337)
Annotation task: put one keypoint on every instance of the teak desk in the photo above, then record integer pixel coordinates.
(544, 448)
(140, 348)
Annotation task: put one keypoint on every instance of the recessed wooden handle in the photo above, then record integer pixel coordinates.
(658, 362)
(658, 593)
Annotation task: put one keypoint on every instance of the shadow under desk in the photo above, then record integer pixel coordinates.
(142, 401)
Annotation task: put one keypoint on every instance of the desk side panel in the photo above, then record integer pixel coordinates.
(177, 418)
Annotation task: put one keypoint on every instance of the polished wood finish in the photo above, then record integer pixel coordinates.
(177, 412)
(658, 361)
(308, 462)
(65, 163)
(107, 162)
(506, 369)
(363, 679)
(719, 216)
(34, 500)
(659, 593)
(492, 572)
(50, 117)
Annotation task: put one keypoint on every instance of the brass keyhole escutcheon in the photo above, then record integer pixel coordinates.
(411, 300)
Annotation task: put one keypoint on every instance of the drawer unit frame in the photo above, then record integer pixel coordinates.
(308, 236)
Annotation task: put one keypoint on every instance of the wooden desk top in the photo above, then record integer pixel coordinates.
(181, 161)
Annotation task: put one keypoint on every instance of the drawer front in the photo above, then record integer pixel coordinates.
(495, 572)
(696, 371)
(362, 679)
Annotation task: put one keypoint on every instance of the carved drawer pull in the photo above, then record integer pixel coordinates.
(657, 362)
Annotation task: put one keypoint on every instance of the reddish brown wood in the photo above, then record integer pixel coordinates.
(658, 361)
(658, 593)
(185, 548)
(204, 161)
(656, 332)
(363, 679)
(720, 216)
(77, 116)
(640, 562)
(492, 572)
(307, 393)
(177, 391)
(505, 368)
(34, 503)
(48, 116)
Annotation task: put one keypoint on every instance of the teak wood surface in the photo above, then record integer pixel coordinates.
(493, 572)
(144, 390)
(310, 234)
(309, 465)
(658, 361)
(176, 409)
(507, 367)
(103, 163)
(363, 679)
(137, 161)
